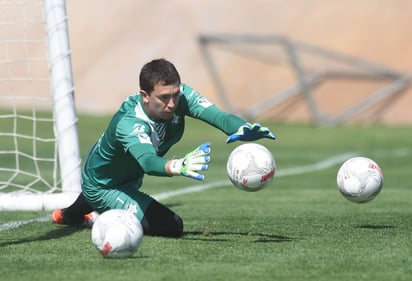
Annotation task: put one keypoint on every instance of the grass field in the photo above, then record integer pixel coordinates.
(298, 228)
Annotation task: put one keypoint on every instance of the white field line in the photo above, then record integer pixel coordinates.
(16, 224)
(321, 165)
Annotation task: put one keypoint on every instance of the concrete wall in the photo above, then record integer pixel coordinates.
(111, 40)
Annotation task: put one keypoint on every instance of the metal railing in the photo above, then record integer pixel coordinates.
(306, 77)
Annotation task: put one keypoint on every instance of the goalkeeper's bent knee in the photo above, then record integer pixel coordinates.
(159, 220)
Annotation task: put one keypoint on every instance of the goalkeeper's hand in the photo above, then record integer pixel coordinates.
(250, 132)
(192, 163)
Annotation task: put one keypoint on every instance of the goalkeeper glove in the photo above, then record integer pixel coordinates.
(193, 162)
(250, 132)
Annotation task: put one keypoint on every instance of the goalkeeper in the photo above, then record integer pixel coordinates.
(140, 133)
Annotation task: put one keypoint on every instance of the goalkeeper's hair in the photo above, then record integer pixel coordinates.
(158, 71)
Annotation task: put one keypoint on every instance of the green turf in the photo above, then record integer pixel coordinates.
(298, 228)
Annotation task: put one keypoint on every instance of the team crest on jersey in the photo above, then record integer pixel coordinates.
(132, 208)
(175, 119)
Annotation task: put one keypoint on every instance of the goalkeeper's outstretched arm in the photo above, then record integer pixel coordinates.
(235, 127)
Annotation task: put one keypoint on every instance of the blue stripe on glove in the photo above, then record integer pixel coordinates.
(193, 163)
(251, 132)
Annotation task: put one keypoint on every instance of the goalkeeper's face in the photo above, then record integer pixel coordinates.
(161, 103)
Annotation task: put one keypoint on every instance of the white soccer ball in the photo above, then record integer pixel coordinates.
(359, 179)
(117, 234)
(251, 167)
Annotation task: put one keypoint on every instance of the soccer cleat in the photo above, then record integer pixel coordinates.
(57, 216)
(90, 218)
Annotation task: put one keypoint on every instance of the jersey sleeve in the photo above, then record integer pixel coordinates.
(195, 102)
(226, 122)
(201, 108)
(149, 161)
(135, 139)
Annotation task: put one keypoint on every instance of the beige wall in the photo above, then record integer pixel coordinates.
(111, 40)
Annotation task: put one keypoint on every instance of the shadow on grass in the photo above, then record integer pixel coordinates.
(372, 226)
(217, 236)
(54, 234)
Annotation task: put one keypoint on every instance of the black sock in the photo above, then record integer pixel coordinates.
(161, 221)
(74, 214)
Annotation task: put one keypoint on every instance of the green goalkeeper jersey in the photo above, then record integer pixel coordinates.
(134, 144)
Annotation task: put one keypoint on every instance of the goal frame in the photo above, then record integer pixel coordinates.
(64, 115)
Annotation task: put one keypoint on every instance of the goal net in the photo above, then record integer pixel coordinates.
(39, 150)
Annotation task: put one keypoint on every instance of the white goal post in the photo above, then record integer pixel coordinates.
(40, 165)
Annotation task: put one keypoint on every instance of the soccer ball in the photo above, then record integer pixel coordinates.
(251, 167)
(117, 233)
(359, 179)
